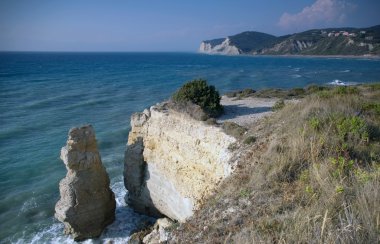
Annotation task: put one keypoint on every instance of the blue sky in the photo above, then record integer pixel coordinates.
(165, 25)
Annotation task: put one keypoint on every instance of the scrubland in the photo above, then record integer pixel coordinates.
(309, 173)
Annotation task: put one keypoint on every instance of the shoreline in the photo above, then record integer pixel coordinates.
(298, 56)
(327, 56)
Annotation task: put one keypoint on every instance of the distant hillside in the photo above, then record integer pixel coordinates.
(251, 40)
(332, 41)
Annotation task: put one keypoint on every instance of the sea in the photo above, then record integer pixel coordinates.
(43, 95)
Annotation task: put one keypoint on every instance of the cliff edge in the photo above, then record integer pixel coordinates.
(173, 162)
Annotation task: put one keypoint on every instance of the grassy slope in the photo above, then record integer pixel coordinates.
(312, 177)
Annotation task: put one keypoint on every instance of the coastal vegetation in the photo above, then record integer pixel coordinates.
(198, 92)
(331, 41)
(310, 173)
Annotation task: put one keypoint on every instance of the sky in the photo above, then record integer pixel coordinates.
(165, 25)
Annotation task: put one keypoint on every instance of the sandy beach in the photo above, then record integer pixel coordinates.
(245, 111)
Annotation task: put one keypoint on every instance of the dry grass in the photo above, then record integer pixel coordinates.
(312, 177)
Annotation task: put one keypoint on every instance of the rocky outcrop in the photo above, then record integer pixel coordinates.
(87, 204)
(173, 162)
(225, 48)
(160, 233)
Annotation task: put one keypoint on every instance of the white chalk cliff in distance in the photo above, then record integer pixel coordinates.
(225, 48)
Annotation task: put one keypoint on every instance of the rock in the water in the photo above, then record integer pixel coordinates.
(87, 203)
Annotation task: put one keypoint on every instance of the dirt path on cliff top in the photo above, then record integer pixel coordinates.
(245, 111)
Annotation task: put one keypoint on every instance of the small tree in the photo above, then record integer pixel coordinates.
(200, 93)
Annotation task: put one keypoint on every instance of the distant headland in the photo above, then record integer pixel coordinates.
(317, 42)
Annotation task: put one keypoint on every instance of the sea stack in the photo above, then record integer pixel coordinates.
(87, 203)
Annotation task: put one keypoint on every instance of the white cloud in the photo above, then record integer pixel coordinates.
(320, 12)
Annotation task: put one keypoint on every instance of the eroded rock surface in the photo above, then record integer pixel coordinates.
(173, 162)
(87, 204)
(225, 47)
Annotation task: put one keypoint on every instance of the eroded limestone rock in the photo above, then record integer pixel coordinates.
(159, 233)
(87, 204)
(173, 162)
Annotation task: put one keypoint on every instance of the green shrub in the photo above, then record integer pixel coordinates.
(371, 108)
(244, 193)
(324, 94)
(200, 93)
(271, 92)
(374, 86)
(232, 94)
(295, 92)
(314, 88)
(352, 127)
(247, 92)
(315, 123)
(339, 90)
(342, 166)
(343, 90)
(362, 175)
(250, 140)
(278, 105)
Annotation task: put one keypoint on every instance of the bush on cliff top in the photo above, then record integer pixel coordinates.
(200, 93)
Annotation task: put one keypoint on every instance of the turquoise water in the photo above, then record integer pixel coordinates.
(43, 95)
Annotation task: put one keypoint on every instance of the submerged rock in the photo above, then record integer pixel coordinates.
(87, 203)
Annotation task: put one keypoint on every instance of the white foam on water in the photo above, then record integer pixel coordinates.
(345, 71)
(337, 82)
(126, 221)
(296, 76)
(29, 204)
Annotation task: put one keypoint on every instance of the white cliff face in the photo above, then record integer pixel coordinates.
(225, 48)
(205, 47)
(173, 162)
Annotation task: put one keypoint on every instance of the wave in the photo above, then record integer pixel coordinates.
(31, 203)
(51, 102)
(345, 71)
(337, 82)
(126, 221)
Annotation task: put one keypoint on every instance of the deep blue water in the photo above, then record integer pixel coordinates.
(43, 95)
